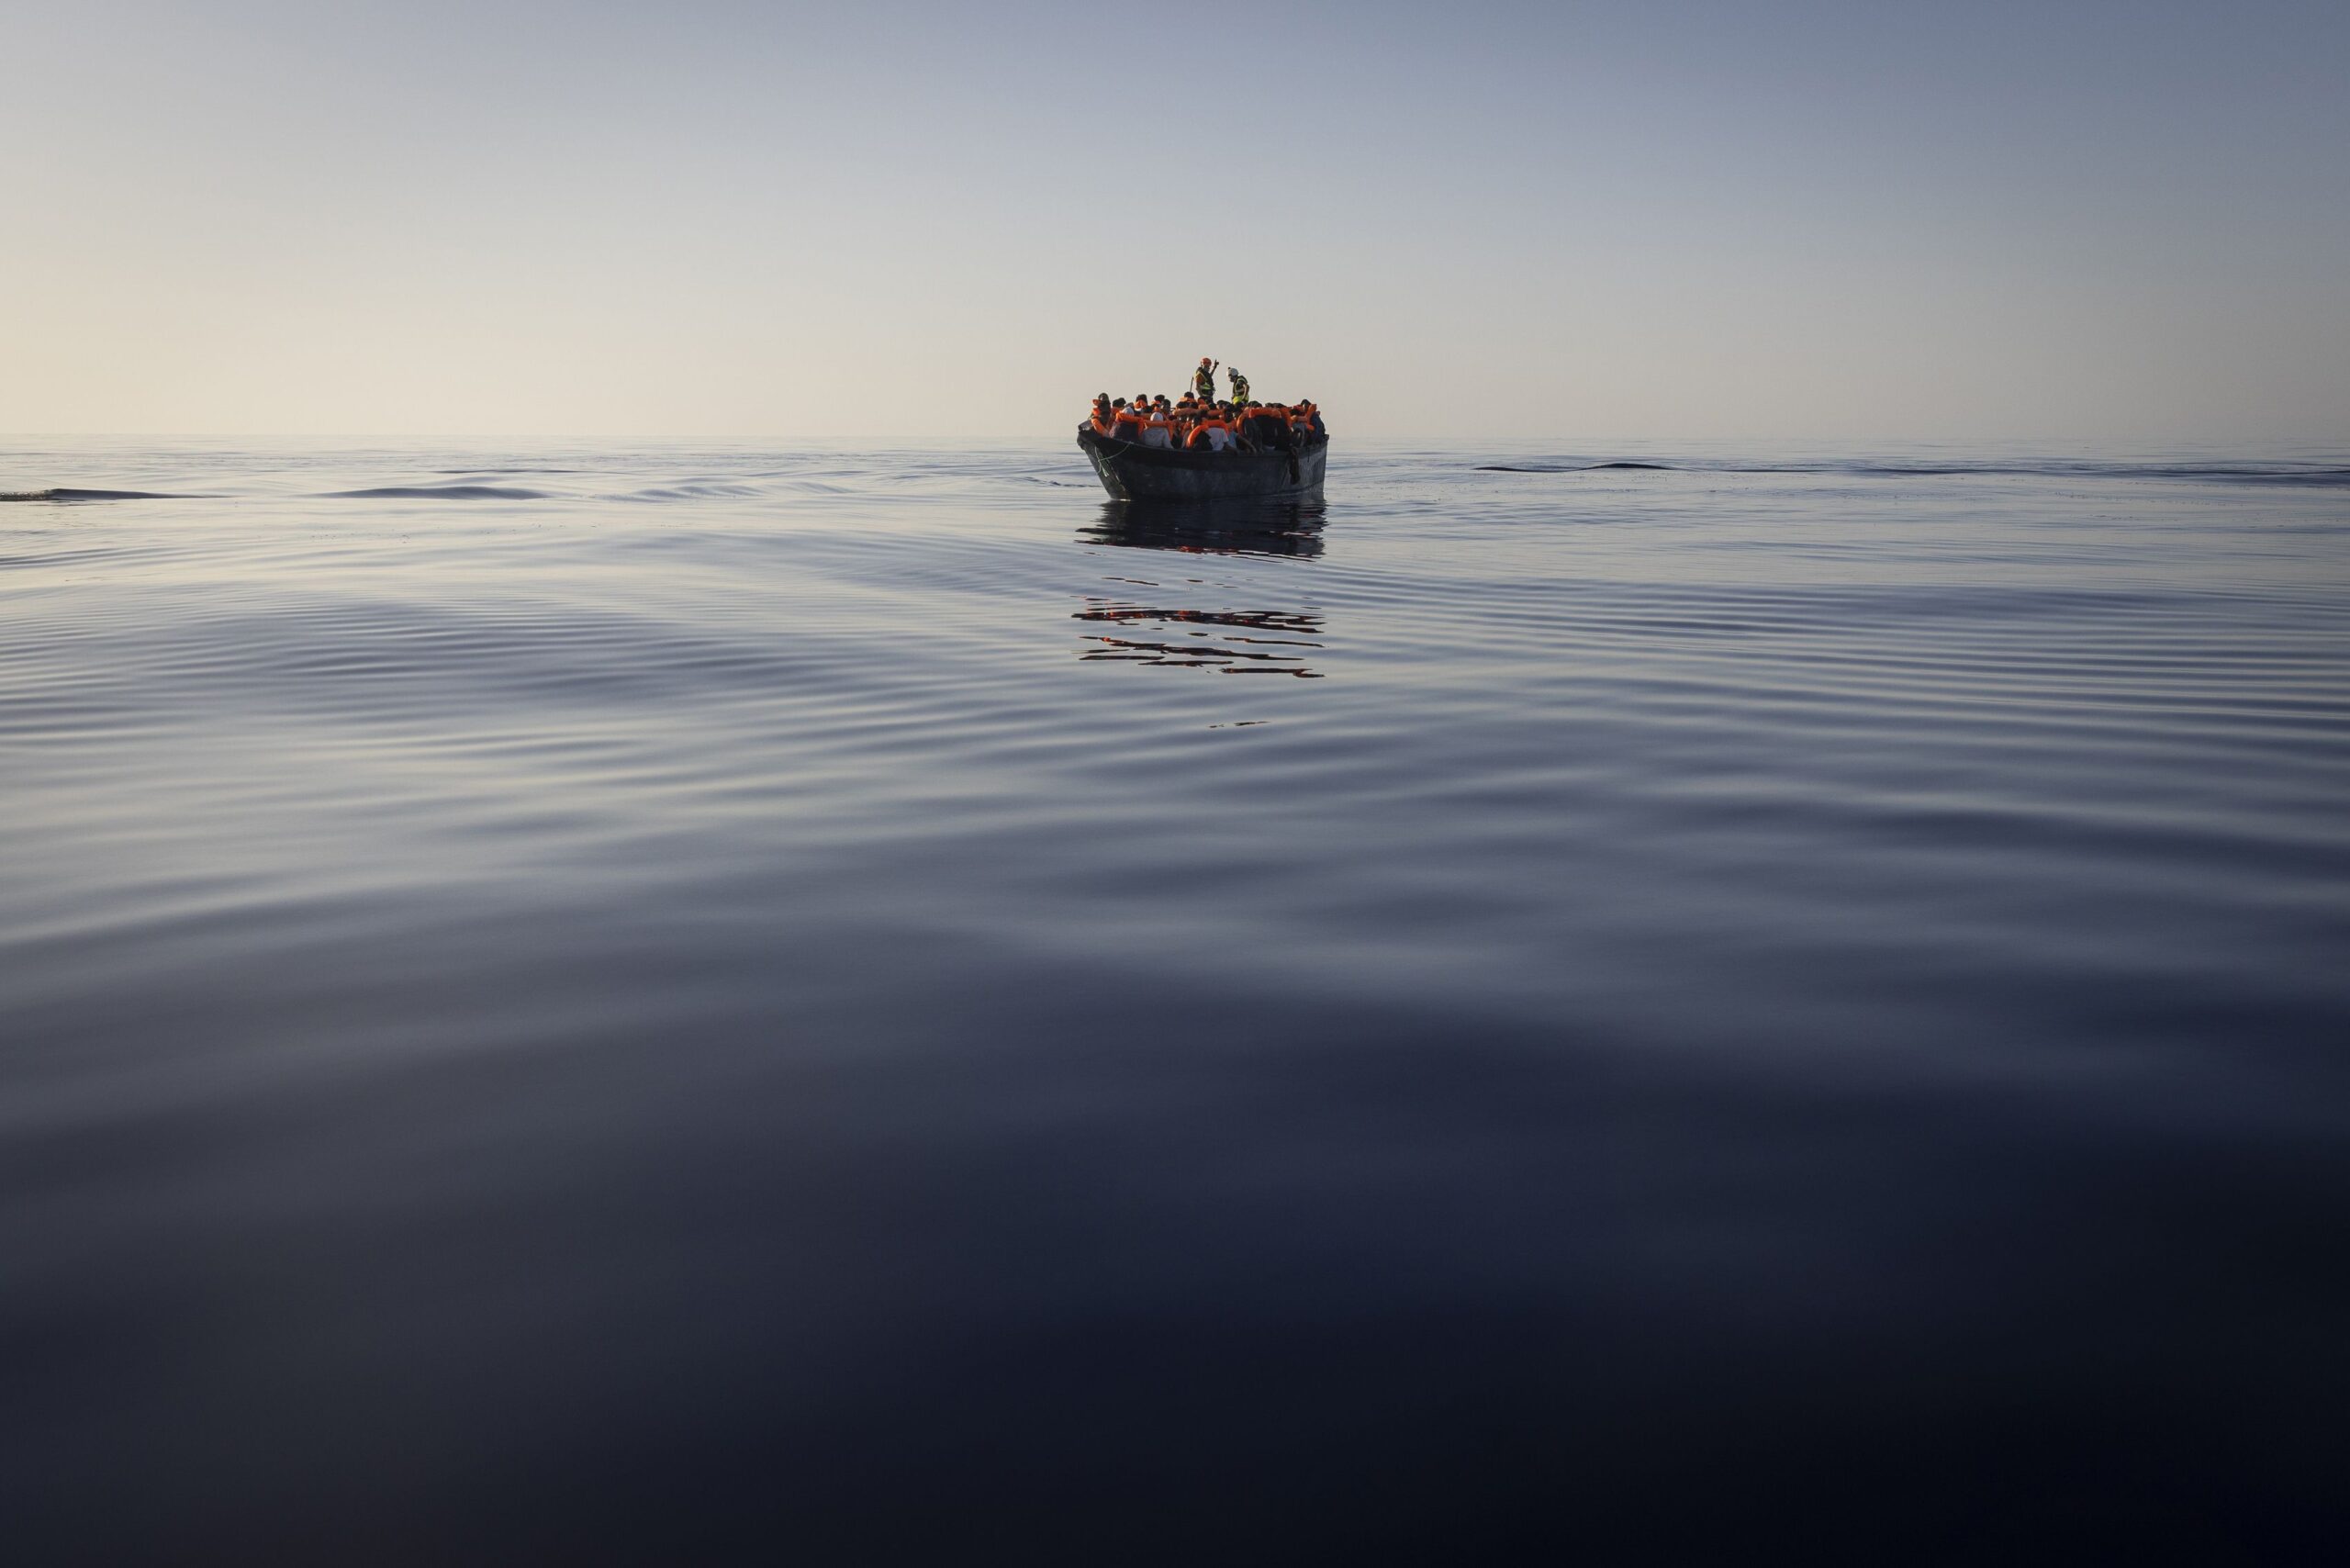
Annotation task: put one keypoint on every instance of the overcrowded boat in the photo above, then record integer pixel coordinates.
(1200, 447)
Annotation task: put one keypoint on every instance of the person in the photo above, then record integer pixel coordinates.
(1239, 386)
(1101, 413)
(1125, 421)
(1306, 414)
(1212, 434)
(1265, 427)
(1204, 380)
(1157, 430)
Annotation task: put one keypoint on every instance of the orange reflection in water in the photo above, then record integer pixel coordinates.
(1234, 642)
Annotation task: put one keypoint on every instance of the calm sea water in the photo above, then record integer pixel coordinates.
(627, 1005)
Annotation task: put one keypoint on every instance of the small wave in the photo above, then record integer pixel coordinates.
(700, 490)
(441, 493)
(65, 494)
(1567, 467)
(2270, 475)
(2175, 473)
(2284, 474)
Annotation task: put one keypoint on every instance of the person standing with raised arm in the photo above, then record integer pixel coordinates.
(1204, 380)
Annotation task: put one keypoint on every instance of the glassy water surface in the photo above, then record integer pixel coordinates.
(618, 1004)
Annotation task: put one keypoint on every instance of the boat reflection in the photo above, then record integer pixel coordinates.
(1233, 527)
(1157, 631)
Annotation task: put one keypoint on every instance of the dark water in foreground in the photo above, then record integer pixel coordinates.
(597, 1006)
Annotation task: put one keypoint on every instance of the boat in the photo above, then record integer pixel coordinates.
(1132, 472)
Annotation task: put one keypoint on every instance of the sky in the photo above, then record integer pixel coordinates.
(2118, 224)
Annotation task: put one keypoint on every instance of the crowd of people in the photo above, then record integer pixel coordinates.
(1199, 421)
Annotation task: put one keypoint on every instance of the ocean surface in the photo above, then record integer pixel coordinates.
(585, 1004)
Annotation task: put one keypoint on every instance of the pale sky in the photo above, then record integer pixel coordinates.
(2125, 223)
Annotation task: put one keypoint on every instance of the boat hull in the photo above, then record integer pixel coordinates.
(1133, 473)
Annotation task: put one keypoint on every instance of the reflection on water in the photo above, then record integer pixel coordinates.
(1268, 528)
(1253, 649)
(1211, 637)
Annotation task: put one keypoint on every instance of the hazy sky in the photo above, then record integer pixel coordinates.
(2101, 223)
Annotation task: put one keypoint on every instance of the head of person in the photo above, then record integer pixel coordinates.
(1118, 403)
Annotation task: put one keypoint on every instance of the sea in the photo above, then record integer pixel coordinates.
(580, 1003)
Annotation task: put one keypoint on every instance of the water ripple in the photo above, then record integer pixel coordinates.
(533, 1019)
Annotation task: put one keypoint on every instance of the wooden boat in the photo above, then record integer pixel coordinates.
(1132, 472)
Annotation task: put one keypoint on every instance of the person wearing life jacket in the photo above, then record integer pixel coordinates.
(1265, 427)
(1102, 414)
(1306, 415)
(1204, 380)
(1212, 434)
(1125, 422)
(1239, 386)
(1158, 428)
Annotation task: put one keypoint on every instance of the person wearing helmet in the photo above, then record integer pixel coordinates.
(1239, 387)
(1204, 380)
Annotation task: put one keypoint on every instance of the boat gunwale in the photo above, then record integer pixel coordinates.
(1184, 457)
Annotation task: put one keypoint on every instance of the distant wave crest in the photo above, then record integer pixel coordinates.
(1563, 467)
(2290, 473)
(442, 493)
(64, 493)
